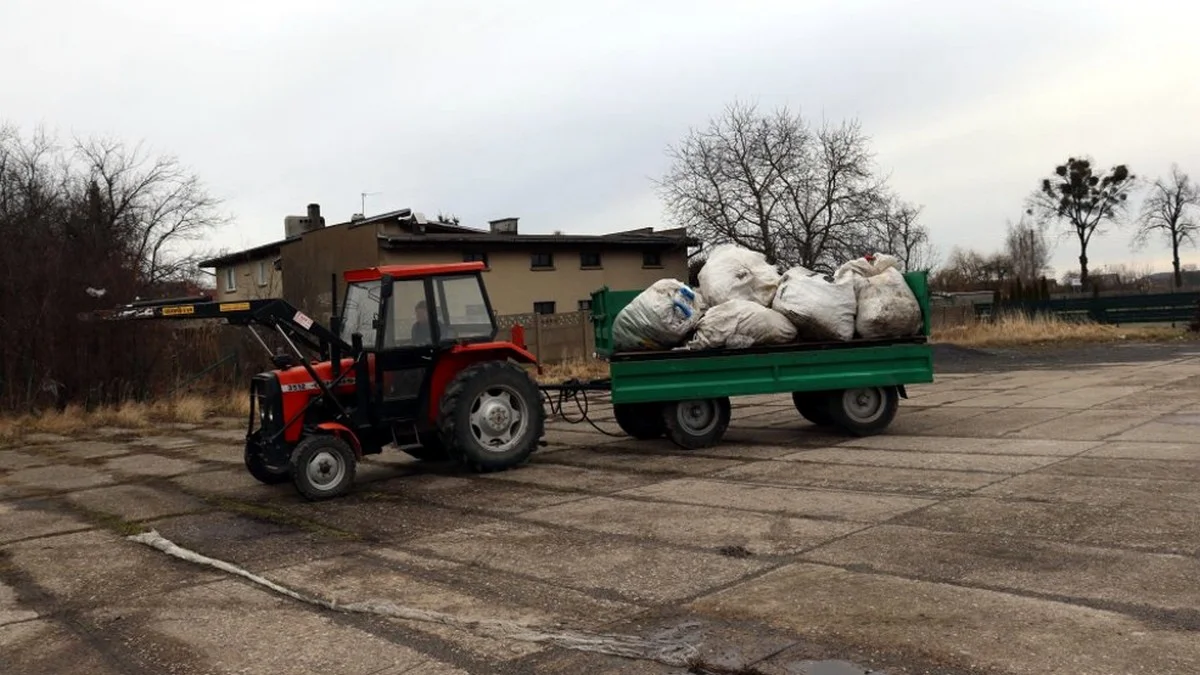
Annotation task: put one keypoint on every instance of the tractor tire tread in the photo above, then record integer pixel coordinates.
(455, 396)
(298, 460)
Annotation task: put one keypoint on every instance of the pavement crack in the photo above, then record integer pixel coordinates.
(668, 652)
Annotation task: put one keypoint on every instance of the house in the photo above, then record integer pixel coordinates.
(525, 273)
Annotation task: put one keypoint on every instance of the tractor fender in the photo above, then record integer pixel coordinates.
(343, 432)
(451, 362)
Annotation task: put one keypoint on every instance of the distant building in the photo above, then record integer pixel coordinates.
(543, 273)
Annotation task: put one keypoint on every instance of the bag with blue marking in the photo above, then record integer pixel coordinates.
(661, 317)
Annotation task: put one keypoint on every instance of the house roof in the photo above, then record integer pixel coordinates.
(644, 238)
(254, 253)
(434, 233)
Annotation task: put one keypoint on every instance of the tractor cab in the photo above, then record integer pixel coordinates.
(417, 306)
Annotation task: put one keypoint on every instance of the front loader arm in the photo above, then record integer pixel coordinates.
(273, 313)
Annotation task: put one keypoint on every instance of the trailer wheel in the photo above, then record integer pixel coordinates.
(697, 424)
(643, 421)
(814, 407)
(258, 467)
(323, 467)
(491, 416)
(865, 411)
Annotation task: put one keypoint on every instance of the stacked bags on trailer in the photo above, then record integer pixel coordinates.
(743, 301)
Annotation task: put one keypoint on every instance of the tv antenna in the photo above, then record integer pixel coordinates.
(364, 196)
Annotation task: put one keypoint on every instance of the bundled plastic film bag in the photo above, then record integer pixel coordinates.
(819, 310)
(660, 317)
(732, 272)
(887, 307)
(737, 324)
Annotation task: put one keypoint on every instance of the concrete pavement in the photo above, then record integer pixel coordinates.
(1024, 520)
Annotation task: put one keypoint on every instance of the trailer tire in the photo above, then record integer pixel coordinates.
(698, 423)
(643, 421)
(258, 467)
(491, 416)
(865, 411)
(323, 467)
(814, 407)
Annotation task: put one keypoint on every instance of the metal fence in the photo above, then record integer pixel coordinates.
(1158, 308)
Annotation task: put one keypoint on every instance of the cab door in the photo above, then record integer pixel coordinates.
(405, 350)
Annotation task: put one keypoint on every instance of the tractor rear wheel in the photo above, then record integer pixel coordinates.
(258, 467)
(698, 423)
(323, 467)
(643, 421)
(491, 416)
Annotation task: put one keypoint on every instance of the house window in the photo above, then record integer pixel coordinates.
(542, 261)
(589, 259)
(476, 256)
(543, 308)
(230, 279)
(651, 259)
(585, 305)
(262, 273)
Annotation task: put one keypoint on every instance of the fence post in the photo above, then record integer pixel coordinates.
(537, 335)
(583, 334)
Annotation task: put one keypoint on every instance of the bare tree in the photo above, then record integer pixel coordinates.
(154, 201)
(86, 227)
(1172, 210)
(899, 232)
(1084, 200)
(1027, 247)
(773, 184)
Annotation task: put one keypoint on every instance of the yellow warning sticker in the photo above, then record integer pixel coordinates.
(235, 306)
(176, 311)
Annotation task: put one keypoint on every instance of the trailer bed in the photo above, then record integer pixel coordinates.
(684, 394)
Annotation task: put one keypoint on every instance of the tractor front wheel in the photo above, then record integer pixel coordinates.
(491, 416)
(258, 467)
(323, 467)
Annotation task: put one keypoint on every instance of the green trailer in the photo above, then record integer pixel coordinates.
(684, 395)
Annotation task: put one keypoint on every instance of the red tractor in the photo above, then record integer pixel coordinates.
(412, 360)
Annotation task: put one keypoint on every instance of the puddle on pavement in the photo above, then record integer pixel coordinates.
(1190, 420)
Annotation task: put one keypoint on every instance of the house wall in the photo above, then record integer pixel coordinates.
(309, 263)
(252, 280)
(514, 287)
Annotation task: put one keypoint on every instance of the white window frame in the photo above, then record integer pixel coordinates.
(263, 275)
(231, 279)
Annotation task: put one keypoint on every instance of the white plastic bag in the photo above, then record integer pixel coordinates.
(738, 324)
(819, 310)
(732, 272)
(887, 307)
(660, 317)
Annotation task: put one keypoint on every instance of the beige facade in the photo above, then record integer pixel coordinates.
(249, 280)
(515, 286)
(525, 273)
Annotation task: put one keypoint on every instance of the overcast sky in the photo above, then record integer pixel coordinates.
(559, 112)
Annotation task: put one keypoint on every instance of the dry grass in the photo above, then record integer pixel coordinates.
(575, 369)
(190, 408)
(1015, 330)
